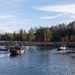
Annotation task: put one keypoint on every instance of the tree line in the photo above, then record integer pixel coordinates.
(59, 33)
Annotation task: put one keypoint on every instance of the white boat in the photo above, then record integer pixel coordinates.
(62, 48)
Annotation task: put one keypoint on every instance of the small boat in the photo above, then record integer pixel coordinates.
(3, 48)
(62, 48)
(16, 51)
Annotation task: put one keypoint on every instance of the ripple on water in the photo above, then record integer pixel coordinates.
(37, 62)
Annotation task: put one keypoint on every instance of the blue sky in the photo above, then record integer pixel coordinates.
(17, 14)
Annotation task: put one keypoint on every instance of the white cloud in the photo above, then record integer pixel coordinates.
(18, 22)
(68, 10)
(58, 8)
(50, 17)
(2, 31)
(3, 28)
(13, 25)
(7, 16)
(47, 17)
(10, 2)
(72, 16)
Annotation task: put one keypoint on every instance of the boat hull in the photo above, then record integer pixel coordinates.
(16, 52)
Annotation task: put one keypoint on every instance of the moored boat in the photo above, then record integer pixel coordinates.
(62, 48)
(4, 48)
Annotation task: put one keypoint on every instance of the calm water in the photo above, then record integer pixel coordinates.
(38, 60)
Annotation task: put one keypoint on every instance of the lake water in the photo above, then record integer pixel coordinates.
(38, 60)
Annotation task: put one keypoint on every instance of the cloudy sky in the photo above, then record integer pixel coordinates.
(17, 14)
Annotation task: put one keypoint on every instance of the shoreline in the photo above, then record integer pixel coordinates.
(52, 44)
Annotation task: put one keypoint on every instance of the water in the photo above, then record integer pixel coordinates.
(38, 60)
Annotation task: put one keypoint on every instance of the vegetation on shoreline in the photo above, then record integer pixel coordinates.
(59, 33)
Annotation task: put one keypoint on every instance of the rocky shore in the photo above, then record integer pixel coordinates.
(52, 44)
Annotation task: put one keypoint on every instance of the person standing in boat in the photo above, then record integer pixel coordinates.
(17, 46)
(21, 46)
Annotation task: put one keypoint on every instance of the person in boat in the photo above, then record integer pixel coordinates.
(21, 46)
(17, 47)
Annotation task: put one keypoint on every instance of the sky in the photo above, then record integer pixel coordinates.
(24, 14)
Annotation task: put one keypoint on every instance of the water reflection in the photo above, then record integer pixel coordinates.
(43, 48)
(11, 55)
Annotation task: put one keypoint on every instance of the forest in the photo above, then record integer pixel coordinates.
(59, 33)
